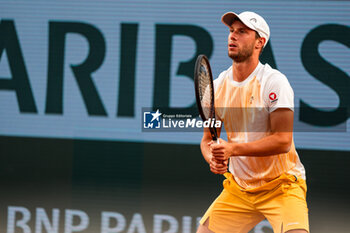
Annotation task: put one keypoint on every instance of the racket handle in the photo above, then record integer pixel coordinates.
(217, 141)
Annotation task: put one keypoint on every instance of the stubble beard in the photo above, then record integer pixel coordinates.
(243, 54)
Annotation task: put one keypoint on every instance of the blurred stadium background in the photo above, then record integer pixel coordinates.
(75, 75)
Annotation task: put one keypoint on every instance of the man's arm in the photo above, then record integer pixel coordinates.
(216, 166)
(278, 142)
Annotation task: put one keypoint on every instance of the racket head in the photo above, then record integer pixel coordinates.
(204, 89)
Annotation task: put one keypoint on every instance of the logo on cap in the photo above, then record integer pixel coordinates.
(253, 20)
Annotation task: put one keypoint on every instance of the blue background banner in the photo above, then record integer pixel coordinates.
(140, 54)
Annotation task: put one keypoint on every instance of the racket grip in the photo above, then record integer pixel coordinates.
(217, 141)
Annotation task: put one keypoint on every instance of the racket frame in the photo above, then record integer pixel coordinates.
(212, 130)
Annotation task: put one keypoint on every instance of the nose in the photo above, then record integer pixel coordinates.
(233, 36)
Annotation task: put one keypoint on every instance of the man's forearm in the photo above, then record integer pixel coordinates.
(277, 143)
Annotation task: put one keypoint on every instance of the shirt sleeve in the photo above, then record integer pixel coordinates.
(278, 93)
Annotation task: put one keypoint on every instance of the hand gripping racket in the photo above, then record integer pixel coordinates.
(204, 88)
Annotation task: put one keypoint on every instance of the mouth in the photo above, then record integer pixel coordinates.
(232, 46)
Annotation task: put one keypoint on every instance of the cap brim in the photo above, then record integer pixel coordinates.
(228, 18)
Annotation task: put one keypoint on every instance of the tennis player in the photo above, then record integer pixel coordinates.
(266, 178)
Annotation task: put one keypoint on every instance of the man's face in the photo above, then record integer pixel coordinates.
(241, 42)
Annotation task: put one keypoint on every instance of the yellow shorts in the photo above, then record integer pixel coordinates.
(282, 202)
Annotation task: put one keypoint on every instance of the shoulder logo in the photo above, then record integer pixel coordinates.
(273, 97)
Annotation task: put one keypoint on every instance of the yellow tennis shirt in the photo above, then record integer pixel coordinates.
(244, 108)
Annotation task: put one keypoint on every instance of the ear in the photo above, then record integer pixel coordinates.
(260, 43)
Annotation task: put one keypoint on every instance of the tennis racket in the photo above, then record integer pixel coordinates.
(204, 88)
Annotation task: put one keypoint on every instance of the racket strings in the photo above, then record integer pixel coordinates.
(205, 91)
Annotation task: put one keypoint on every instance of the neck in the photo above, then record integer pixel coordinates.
(242, 70)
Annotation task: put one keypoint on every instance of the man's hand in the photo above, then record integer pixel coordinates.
(221, 151)
(218, 166)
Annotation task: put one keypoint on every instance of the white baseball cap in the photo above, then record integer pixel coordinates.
(251, 20)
